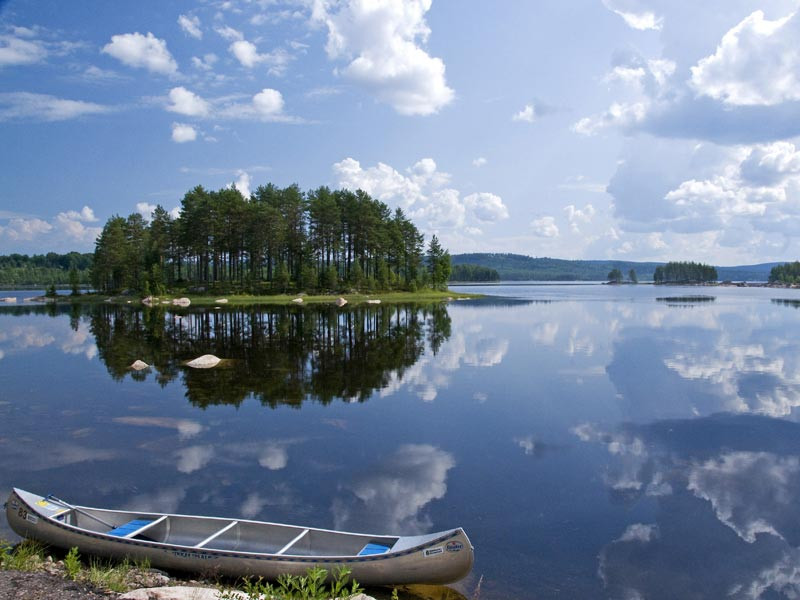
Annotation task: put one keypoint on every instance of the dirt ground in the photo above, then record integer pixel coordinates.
(23, 585)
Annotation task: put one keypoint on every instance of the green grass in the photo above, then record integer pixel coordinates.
(277, 299)
(25, 556)
(311, 586)
(113, 576)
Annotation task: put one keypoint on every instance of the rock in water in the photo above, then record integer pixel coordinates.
(298, 300)
(221, 301)
(340, 301)
(373, 301)
(181, 302)
(138, 365)
(204, 362)
(9, 300)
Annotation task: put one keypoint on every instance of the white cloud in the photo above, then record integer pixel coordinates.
(242, 183)
(85, 214)
(641, 20)
(191, 25)
(145, 209)
(42, 107)
(25, 229)
(181, 133)
(619, 114)
(380, 39)
(486, 207)
(206, 62)
(639, 532)
(246, 53)
(424, 193)
(756, 63)
(527, 114)
(229, 33)
(142, 51)
(274, 457)
(15, 51)
(187, 103)
(193, 458)
(575, 216)
(268, 102)
(545, 227)
(479, 162)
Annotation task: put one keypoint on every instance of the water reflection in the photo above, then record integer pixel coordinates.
(724, 522)
(279, 356)
(390, 495)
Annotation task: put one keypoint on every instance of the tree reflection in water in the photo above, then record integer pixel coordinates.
(279, 355)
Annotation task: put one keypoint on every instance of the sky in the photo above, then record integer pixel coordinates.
(578, 129)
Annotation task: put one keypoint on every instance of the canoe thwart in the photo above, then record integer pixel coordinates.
(213, 536)
(293, 542)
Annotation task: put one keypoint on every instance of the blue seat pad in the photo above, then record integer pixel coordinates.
(124, 530)
(373, 549)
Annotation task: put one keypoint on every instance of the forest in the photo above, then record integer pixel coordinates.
(45, 269)
(468, 272)
(786, 273)
(275, 241)
(684, 272)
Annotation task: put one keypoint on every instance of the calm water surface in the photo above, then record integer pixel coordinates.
(595, 442)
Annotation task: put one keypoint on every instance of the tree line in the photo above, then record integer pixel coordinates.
(468, 272)
(785, 273)
(45, 269)
(684, 272)
(275, 240)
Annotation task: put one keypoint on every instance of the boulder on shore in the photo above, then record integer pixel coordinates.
(221, 301)
(340, 301)
(181, 302)
(138, 365)
(206, 361)
(298, 300)
(373, 301)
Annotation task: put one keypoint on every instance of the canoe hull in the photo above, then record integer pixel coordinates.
(441, 560)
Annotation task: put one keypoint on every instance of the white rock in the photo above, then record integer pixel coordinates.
(9, 300)
(221, 301)
(176, 593)
(373, 301)
(138, 365)
(340, 301)
(298, 300)
(204, 362)
(181, 302)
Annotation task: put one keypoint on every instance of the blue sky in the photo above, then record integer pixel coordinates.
(625, 129)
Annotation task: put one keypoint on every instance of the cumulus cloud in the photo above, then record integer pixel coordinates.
(486, 207)
(248, 56)
(242, 183)
(142, 51)
(424, 192)
(576, 216)
(479, 162)
(545, 227)
(756, 63)
(382, 43)
(193, 458)
(185, 102)
(181, 133)
(43, 107)
(191, 25)
(527, 114)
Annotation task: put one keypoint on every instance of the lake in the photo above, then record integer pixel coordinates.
(594, 441)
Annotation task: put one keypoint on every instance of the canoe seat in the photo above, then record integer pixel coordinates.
(130, 527)
(370, 549)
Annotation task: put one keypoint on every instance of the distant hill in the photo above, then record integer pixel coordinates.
(517, 267)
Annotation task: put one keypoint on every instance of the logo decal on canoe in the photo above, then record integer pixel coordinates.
(31, 518)
(454, 546)
(199, 555)
(433, 551)
(14, 505)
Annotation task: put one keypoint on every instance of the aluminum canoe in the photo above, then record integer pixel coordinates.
(237, 547)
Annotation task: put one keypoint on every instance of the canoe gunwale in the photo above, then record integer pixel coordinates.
(215, 553)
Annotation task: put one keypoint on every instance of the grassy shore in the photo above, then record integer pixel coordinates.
(423, 296)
